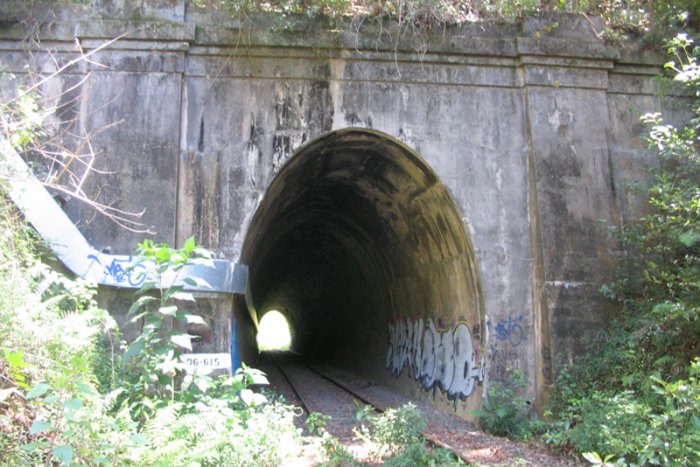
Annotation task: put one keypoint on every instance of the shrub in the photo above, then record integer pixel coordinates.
(398, 436)
(505, 412)
(316, 423)
(396, 428)
(153, 361)
(217, 434)
(193, 419)
(621, 18)
(658, 427)
(334, 453)
(635, 398)
(417, 454)
(52, 410)
(49, 328)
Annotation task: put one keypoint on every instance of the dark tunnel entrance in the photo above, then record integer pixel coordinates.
(360, 246)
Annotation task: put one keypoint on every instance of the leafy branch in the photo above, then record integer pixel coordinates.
(156, 353)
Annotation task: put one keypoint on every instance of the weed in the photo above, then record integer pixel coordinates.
(397, 428)
(316, 422)
(622, 19)
(153, 360)
(363, 416)
(505, 411)
(417, 454)
(335, 454)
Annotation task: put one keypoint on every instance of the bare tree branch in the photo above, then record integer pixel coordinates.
(34, 124)
(75, 61)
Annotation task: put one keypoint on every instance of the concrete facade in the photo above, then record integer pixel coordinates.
(460, 194)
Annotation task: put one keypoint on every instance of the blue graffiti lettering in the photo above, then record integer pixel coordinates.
(122, 270)
(509, 330)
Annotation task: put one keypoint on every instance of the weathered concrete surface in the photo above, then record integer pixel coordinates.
(530, 134)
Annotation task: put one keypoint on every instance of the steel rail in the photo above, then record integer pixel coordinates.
(284, 374)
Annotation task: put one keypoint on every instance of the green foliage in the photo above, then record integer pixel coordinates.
(18, 243)
(595, 459)
(316, 423)
(659, 426)
(396, 428)
(49, 327)
(153, 360)
(290, 14)
(334, 453)
(397, 435)
(217, 431)
(75, 423)
(363, 414)
(193, 419)
(603, 422)
(679, 14)
(663, 287)
(635, 399)
(621, 18)
(419, 455)
(675, 421)
(505, 411)
(511, 10)
(24, 119)
(66, 397)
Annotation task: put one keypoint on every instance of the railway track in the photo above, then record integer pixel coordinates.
(314, 390)
(318, 393)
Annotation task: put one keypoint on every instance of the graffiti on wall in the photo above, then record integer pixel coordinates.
(510, 330)
(122, 270)
(449, 360)
(506, 336)
(502, 361)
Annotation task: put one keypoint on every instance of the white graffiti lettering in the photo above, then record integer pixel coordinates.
(445, 360)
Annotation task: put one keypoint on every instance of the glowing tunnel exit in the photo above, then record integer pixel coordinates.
(273, 332)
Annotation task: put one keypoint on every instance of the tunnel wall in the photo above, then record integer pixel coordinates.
(532, 129)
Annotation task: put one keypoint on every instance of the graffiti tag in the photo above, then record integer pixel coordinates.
(450, 360)
(502, 361)
(509, 330)
(122, 270)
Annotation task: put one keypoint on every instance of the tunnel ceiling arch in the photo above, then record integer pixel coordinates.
(354, 235)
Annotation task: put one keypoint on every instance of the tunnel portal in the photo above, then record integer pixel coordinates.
(360, 246)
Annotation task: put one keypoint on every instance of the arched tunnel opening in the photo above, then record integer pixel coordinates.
(363, 250)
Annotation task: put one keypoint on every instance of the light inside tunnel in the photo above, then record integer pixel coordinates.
(356, 238)
(273, 332)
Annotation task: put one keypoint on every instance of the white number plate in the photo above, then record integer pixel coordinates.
(203, 363)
